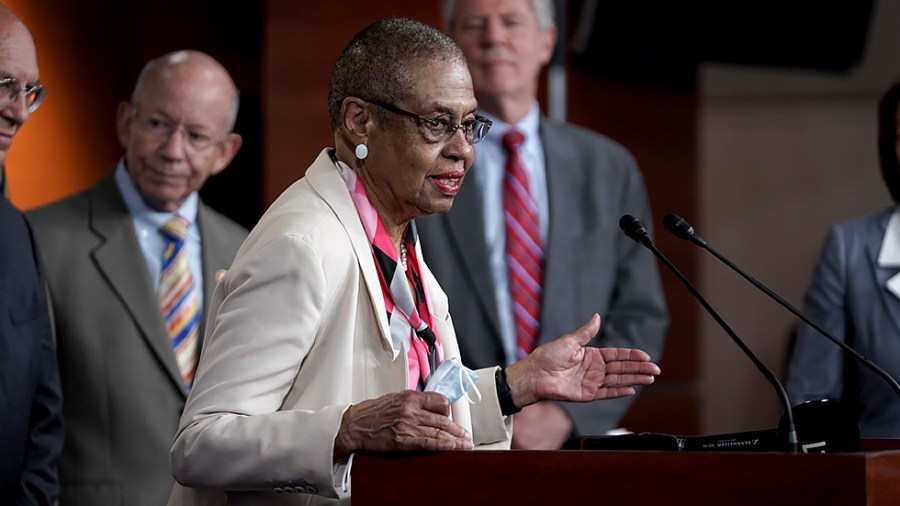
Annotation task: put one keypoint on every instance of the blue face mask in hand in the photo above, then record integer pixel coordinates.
(454, 380)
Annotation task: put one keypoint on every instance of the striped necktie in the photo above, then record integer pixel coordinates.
(179, 300)
(524, 252)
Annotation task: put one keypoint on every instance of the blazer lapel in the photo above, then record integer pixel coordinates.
(465, 225)
(208, 266)
(884, 251)
(564, 185)
(119, 258)
(325, 179)
(214, 257)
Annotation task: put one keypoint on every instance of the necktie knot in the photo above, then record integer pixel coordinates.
(512, 140)
(175, 229)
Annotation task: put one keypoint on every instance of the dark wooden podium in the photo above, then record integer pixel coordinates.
(602, 478)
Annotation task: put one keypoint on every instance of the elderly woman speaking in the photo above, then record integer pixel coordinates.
(329, 335)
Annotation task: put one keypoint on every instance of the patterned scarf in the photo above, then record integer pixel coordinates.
(410, 316)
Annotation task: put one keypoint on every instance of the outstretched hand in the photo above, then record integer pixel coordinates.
(566, 369)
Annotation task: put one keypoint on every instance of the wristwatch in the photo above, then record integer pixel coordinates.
(504, 394)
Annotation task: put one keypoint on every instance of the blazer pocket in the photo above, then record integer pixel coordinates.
(23, 313)
(23, 335)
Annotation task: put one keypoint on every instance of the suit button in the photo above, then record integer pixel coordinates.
(311, 489)
(278, 490)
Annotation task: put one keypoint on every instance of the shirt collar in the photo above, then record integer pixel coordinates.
(528, 125)
(143, 215)
(889, 256)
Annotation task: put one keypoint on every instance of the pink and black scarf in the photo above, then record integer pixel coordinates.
(409, 315)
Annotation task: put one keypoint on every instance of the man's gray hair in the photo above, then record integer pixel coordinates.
(544, 10)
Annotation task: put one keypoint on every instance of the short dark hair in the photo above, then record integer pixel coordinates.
(377, 63)
(887, 140)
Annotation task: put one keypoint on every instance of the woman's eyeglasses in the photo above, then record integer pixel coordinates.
(441, 128)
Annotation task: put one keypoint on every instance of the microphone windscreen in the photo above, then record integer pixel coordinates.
(678, 226)
(632, 227)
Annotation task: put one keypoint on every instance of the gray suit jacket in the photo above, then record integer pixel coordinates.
(590, 265)
(122, 392)
(849, 296)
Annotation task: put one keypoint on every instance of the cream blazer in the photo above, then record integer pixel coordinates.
(297, 332)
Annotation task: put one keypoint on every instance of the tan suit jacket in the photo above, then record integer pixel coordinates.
(297, 332)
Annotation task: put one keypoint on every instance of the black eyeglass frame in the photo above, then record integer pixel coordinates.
(469, 126)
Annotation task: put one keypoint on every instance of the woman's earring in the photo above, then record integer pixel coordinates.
(362, 151)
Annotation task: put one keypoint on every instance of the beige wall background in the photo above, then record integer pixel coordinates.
(782, 155)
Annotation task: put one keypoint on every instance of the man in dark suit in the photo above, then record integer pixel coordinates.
(31, 414)
(31, 428)
(577, 184)
(128, 333)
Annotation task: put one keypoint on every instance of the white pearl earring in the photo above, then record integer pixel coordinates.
(362, 151)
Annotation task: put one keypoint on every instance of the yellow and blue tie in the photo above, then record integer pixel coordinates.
(179, 300)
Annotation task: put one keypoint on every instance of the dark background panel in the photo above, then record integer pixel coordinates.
(664, 41)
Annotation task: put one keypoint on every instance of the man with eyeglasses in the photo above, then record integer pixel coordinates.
(31, 425)
(532, 245)
(130, 267)
(10, 89)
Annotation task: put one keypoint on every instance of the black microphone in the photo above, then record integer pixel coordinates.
(682, 229)
(635, 230)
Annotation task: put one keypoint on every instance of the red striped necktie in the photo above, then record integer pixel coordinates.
(179, 300)
(524, 251)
